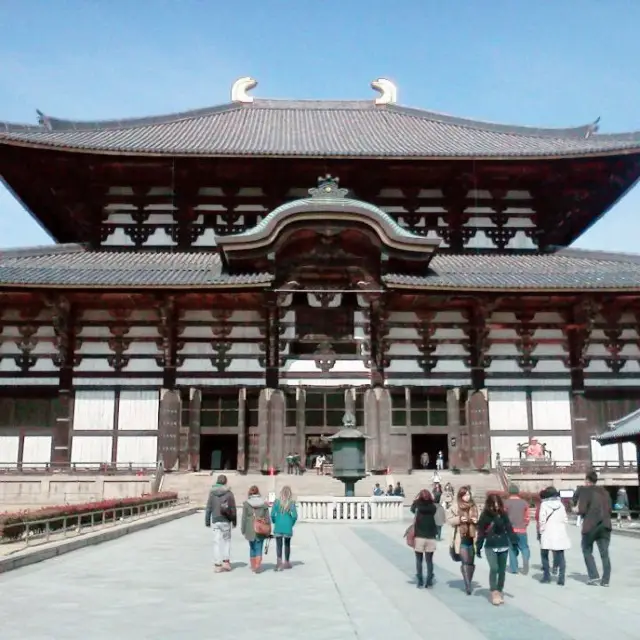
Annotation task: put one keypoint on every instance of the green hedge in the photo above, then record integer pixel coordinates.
(14, 525)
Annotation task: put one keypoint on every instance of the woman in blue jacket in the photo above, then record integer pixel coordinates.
(283, 516)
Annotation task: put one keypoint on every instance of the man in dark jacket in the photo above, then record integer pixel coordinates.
(518, 511)
(594, 506)
(220, 515)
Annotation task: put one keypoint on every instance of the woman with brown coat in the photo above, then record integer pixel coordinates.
(255, 526)
(463, 516)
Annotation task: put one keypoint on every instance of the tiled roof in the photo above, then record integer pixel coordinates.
(566, 269)
(317, 129)
(625, 429)
(74, 266)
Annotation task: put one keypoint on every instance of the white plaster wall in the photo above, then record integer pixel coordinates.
(138, 450)
(604, 453)
(91, 451)
(36, 451)
(508, 411)
(138, 410)
(551, 410)
(506, 446)
(9, 451)
(94, 410)
(561, 447)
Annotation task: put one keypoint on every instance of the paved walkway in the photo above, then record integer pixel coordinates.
(348, 582)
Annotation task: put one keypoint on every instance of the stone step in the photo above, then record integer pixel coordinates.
(197, 485)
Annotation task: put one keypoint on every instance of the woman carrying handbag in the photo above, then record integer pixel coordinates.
(463, 516)
(255, 526)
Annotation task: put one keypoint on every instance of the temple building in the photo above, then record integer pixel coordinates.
(227, 281)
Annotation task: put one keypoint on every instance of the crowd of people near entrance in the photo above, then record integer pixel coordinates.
(499, 531)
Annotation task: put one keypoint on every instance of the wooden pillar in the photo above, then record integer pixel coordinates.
(64, 325)
(407, 409)
(263, 428)
(272, 360)
(301, 443)
(242, 430)
(383, 397)
(478, 343)
(195, 408)
(168, 328)
(479, 434)
(453, 421)
(169, 428)
(580, 429)
(277, 418)
(372, 429)
(377, 332)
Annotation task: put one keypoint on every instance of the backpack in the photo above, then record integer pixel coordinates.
(226, 510)
(261, 526)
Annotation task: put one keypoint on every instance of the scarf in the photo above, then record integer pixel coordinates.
(467, 510)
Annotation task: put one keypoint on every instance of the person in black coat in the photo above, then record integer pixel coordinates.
(426, 532)
(496, 534)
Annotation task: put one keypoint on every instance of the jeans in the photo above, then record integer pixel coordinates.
(497, 568)
(221, 542)
(256, 547)
(523, 548)
(282, 541)
(558, 561)
(602, 538)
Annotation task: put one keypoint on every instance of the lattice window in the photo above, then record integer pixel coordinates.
(29, 412)
(219, 411)
(324, 409)
(428, 409)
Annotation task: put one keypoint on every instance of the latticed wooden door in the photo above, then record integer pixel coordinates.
(168, 428)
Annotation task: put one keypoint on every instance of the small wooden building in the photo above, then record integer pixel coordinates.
(231, 279)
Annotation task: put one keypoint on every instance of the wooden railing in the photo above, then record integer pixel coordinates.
(329, 508)
(517, 466)
(105, 468)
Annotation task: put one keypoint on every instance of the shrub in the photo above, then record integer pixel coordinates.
(14, 525)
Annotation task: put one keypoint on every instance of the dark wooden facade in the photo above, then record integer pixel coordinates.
(419, 290)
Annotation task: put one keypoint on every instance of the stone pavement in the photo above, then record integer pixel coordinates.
(348, 582)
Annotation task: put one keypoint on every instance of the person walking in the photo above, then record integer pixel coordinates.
(440, 461)
(594, 507)
(284, 516)
(462, 515)
(543, 496)
(255, 526)
(426, 532)
(496, 533)
(518, 511)
(220, 515)
(554, 537)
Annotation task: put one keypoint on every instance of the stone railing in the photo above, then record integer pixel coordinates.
(330, 508)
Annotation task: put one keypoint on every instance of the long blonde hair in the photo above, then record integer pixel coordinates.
(286, 499)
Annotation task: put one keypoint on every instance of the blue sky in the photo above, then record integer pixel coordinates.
(544, 63)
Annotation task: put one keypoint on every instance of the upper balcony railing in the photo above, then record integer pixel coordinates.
(517, 466)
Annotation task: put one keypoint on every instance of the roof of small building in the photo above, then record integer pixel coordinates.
(623, 430)
(76, 266)
(316, 128)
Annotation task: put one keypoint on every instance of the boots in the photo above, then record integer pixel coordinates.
(494, 598)
(226, 565)
(501, 597)
(467, 575)
(258, 564)
(252, 564)
(279, 566)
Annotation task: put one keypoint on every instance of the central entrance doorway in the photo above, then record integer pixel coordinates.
(430, 444)
(218, 452)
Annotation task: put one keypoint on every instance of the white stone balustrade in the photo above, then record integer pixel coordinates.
(336, 509)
